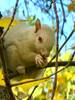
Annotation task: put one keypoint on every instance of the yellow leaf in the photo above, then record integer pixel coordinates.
(4, 22)
(2, 83)
(73, 1)
(71, 7)
(68, 75)
(58, 96)
(66, 56)
(73, 76)
(60, 79)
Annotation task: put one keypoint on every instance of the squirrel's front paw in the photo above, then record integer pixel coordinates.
(40, 61)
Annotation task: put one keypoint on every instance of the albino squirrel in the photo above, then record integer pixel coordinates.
(28, 47)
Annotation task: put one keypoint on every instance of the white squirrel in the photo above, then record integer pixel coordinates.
(28, 47)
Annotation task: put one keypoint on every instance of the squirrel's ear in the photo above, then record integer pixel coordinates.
(37, 25)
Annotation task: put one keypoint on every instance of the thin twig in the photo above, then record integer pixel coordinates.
(0, 15)
(62, 63)
(29, 98)
(14, 12)
(64, 18)
(57, 47)
(25, 3)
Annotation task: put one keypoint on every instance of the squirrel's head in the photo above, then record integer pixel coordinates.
(44, 38)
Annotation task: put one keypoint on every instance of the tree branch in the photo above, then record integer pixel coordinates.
(5, 73)
(60, 64)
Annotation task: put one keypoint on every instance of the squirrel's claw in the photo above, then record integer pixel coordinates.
(40, 61)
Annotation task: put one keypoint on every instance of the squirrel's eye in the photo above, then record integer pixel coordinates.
(40, 39)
